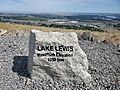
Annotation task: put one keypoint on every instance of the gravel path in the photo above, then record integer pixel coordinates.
(104, 60)
(12, 66)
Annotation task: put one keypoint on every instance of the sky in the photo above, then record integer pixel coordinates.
(49, 6)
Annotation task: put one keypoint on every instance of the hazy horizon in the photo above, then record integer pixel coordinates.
(57, 13)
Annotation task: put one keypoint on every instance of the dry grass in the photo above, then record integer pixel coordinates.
(14, 27)
(110, 36)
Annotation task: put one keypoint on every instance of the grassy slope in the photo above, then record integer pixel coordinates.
(111, 36)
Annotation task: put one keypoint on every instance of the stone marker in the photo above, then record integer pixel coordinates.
(55, 55)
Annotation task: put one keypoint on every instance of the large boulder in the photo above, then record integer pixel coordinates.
(55, 55)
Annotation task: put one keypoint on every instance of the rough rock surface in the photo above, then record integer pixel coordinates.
(72, 65)
(104, 60)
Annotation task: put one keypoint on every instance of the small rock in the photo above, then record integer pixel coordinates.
(86, 36)
(2, 32)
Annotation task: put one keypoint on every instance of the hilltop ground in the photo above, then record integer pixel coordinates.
(103, 58)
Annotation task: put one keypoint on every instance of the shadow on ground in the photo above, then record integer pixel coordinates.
(20, 65)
